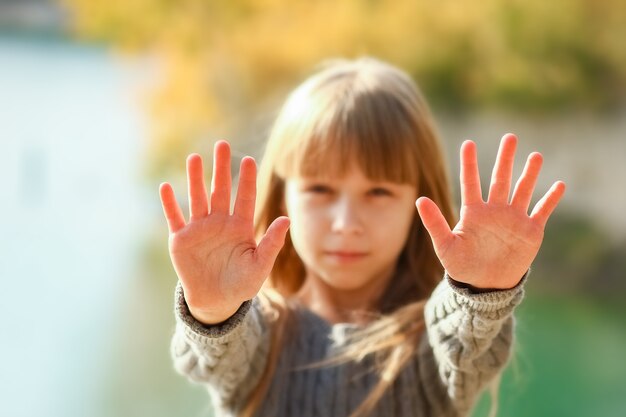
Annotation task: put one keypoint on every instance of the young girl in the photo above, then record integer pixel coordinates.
(348, 315)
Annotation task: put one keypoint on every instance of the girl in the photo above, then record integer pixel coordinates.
(348, 315)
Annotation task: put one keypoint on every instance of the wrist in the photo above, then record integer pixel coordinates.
(212, 317)
(484, 289)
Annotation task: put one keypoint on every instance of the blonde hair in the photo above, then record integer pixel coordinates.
(373, 112)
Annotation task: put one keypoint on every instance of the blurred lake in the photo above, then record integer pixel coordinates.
(87, 312)
(73, 215)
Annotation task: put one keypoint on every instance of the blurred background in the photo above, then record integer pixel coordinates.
(100, 101)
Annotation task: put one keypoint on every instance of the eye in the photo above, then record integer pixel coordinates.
(318, 189)
(380, 191)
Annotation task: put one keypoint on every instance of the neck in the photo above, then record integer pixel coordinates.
(340, 305)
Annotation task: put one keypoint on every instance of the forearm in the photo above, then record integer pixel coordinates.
(470, 335)
(229, 357)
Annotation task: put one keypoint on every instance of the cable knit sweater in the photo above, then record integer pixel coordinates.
(468, 341)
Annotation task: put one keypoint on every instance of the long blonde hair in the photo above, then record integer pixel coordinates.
(374, 111)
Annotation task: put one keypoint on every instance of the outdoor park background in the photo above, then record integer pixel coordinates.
(100, 101)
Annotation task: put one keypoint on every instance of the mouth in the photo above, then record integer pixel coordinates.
(345, 256)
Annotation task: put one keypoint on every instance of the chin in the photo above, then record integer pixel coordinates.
(344, 284)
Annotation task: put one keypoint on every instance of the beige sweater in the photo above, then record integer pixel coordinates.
(468, 342)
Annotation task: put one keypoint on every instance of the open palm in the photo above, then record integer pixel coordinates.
(215, 254)
(494, 242)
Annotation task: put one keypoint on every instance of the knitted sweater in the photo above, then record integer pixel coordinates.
(467, 342)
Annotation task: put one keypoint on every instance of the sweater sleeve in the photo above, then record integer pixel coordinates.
(469, 339)
(228, 358)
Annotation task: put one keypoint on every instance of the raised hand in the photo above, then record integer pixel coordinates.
(494, 242)
(215, 255)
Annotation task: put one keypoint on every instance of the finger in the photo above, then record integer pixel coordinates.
(544, 207)
(221, 182)
(272, 242)
(246, 190)
(502, 170)
(198, 204)
(171, 209)
(470, 178)
(525, 186)
(434, 221)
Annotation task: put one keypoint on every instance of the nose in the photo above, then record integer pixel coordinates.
(346, 218)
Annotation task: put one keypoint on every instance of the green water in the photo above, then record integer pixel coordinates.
(569, 360)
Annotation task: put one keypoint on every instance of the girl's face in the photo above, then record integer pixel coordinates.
(349, 231)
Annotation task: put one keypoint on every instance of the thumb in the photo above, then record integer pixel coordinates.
(272, 242)
(433, 220)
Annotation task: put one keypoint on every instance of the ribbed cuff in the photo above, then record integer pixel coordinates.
(183, 314)
(489, 300)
